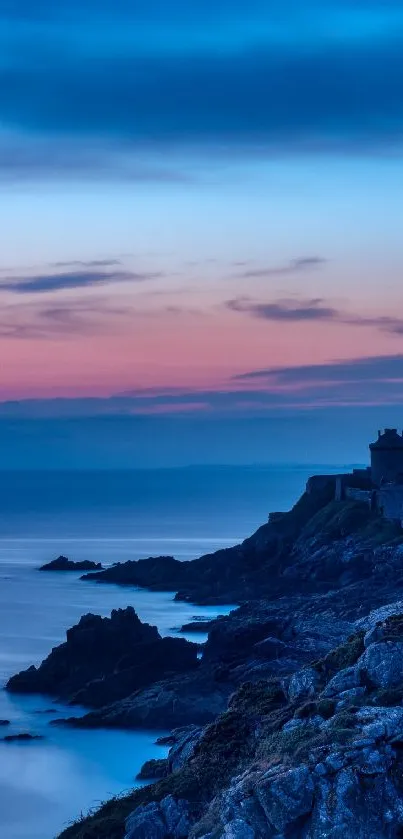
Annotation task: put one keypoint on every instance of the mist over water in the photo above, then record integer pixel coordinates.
(108, 517)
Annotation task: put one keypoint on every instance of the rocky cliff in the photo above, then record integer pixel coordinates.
(291, 725)
(106, 659)
(312, 755)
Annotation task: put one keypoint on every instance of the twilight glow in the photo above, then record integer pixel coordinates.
(201, 208)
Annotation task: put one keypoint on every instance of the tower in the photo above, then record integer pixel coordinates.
(387, 457)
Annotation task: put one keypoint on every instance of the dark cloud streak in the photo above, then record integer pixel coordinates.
(44, 283)
(296, 266)
(310, 310)
(285, 310)
(92, 263)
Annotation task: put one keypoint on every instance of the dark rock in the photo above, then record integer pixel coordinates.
(198, 625)
(277, 757)
(24, 737)
(286, 796)
(303, 684)
(62, 563)
(160, 573)
(233, 637)
(167, 820)
(176, 816)
(346, 679)
(230, 659)
(153, 769)
(239, 829)
(228, 576)
(382, 664)
(183, 746)
(175, 703)
(105, 659)
(4, 722)
(146, 823)
(169, 740)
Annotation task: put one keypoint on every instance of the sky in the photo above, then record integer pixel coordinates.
(200, 210)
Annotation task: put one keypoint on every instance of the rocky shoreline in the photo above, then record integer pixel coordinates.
(62, 563)
(291, 723)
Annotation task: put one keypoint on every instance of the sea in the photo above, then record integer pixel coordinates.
(108, 517)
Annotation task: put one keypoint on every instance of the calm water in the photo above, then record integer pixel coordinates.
(107, 517)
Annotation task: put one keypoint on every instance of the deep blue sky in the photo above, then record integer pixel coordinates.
(201, 206)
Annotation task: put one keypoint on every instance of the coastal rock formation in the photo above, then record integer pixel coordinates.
(295, 711)
(234, 654)
(106, 659)
(275, 765)
(319, 546)
(231, 575)
(175, 702)
(157, 573)
(152, 770)
(62, 563)
(167, 820)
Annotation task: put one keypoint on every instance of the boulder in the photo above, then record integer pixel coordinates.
(153, 770)
(303, 684)
(239, 829)
(346, 679)
(376, 616)
(186, 740)
(167, 820)
(382, 664)
(176, 817)
(379, 722)
(146, 823)
(352, 805)
(286, 796)
(350, 697)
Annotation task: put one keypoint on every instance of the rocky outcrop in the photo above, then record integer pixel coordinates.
(152, 770)
(173, 703)
(62, 563)
(294, 714)
(231, 575)
(286, 759)
(106, 659)
(237, 650)
(317, 548)
(198, 625)
(382, 664)
(167, 820)
(158, 573)
(183, 747)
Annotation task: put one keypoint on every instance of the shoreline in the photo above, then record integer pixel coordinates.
(301, 605)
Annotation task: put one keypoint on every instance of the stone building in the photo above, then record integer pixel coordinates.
(380, 485)
(387, 458)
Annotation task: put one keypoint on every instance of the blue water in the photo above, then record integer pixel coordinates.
(108, 517)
